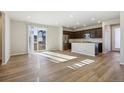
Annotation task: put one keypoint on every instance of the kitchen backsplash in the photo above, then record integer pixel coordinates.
(81, 40)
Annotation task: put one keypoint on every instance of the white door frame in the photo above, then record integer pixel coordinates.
(113, 38)
(30, 35)
(3, 38)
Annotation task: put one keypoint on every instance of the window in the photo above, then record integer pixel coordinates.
(116, 37)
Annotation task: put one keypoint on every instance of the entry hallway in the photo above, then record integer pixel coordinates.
(38, 68)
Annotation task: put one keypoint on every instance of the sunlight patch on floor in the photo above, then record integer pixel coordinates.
(81, 64)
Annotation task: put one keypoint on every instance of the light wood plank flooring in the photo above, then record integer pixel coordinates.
(34, 68)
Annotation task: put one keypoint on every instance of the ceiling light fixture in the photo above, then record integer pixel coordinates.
(67, 26)
(77, 23)
(99, 22)
(56, 23)
(74, 27)
(84, 25)
(71, 16)
(93, 19)
(29, 17)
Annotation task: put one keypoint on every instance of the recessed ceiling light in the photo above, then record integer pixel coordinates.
(67, 26)
(29, 17)
(84, 25)
(57, 23)
(74, 27)
(99, 22)
(93, 19)
(71, 16)
(77, 23)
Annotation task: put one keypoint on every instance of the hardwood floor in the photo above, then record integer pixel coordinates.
(35, 68)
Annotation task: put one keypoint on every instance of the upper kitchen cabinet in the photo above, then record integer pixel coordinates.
(85, 32)
(92, 33)
(98, 33)
(78, 34)
(70, 34)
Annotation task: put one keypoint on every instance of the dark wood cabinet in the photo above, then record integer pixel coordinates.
(96, 33)
(100, 47)
(99, 33)
(71, 35)
(92, 33)
(78, 34)
(66, 46)
(85, 32)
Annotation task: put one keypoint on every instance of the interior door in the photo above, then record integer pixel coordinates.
(116, 38)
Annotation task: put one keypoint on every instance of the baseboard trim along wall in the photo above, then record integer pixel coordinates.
(19, 54)
(121, 63)
(6, 61)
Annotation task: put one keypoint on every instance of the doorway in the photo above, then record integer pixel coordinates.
(116, 38)
(0, 38)
(36, 39)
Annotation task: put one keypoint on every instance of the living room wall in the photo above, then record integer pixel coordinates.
(19, 37)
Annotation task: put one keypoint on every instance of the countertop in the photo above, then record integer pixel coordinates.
(86, 42)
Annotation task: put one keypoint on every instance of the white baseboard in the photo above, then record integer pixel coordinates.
(104, 52)
(3, 64)
(121, 63)
(5, 61)
(19, 54)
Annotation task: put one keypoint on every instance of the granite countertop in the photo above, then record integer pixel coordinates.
(86, 42)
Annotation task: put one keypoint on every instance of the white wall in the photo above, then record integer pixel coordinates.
(0, 37)
(122, 37)
(54, 38)
(61, 38)
(5, 38)
(18, 38)
(106, 38)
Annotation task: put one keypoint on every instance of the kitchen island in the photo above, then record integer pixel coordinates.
(86, 48)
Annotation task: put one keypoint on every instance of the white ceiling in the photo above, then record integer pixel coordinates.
(64, 18)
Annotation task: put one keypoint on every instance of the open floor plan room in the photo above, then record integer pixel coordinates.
(61, 46)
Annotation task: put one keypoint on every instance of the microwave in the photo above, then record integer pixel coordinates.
(86, 36)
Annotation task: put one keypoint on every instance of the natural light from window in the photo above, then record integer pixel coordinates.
(117, 38)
